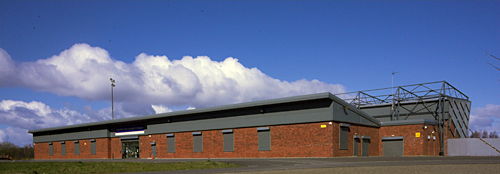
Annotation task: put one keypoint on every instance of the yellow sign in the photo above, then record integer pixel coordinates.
(417, 134)
(323, 126)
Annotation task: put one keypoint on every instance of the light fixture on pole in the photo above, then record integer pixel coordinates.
(392, 88)
(112, 86)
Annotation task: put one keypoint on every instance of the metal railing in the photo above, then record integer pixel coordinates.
(422, 91)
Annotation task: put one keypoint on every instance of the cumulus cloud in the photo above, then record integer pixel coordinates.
(37, 115)
(6, 67)
(150, 84)
(485, 118)
(83, 71)
(16, 135)
(23, 116)
(161, 109)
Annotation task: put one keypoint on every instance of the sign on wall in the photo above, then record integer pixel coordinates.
(129, 130)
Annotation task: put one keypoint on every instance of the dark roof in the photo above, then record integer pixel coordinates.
(325, 95)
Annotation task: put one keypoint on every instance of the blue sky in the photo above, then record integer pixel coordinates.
(240, 51)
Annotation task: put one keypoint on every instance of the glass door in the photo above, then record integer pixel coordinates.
(130, 149)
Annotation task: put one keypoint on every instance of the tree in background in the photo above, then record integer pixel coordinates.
(483, 134)
(493, 135)
(15, 152)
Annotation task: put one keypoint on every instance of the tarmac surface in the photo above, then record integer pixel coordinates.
(420, 164)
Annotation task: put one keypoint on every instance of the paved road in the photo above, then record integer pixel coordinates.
(326, 164)
(415, 169)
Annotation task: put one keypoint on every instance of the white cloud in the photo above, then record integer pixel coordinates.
(485, 118)
(24, 116)
(488, 111)
(161, 109)
(2, 136)
(18, 136)
(36, 115)
(148, 85)
(83, 71)
(6, 67)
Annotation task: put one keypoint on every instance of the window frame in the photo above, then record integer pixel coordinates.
(228, 140)
(170, 143)
(93, 147)
(63, 148)
(51, 149)
(264, 138)
(77, 147)
(344, 130)
(197, 142)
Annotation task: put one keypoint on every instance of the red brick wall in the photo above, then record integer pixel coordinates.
(298, 140)
(42, 151)
(431, 147)
(115, 148)
(356, 130)
(102, 150)
(413, 145)
(373, 132)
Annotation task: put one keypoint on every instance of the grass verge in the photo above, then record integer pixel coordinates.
(105, 167)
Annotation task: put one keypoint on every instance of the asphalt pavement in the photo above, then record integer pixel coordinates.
(323, 165)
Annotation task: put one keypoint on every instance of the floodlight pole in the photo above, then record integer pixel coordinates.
(112, 108)
(392, 88)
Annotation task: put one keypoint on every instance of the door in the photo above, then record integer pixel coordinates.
(153, 150)
(365, 147)
(355, 148)
(393, 147)
(130, 149)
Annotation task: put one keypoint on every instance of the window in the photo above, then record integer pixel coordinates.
(92, 147)
(77, 147)
(51, 149)
(228, 140)
(343, 136)
(264, 138)
(170, 143)
(197, 142)
(63, 148)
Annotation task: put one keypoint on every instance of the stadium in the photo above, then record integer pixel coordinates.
(411, 120)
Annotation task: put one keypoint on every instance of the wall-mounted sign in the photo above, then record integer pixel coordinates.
(417, 134)
(323, 126)
(129, 130)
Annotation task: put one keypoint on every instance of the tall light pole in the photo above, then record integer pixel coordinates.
(392, 88)
(112, 109)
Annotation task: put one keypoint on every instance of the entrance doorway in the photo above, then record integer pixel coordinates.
(393, 146)
(130, 149)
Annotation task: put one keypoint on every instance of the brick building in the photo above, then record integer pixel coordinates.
(316, 125)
